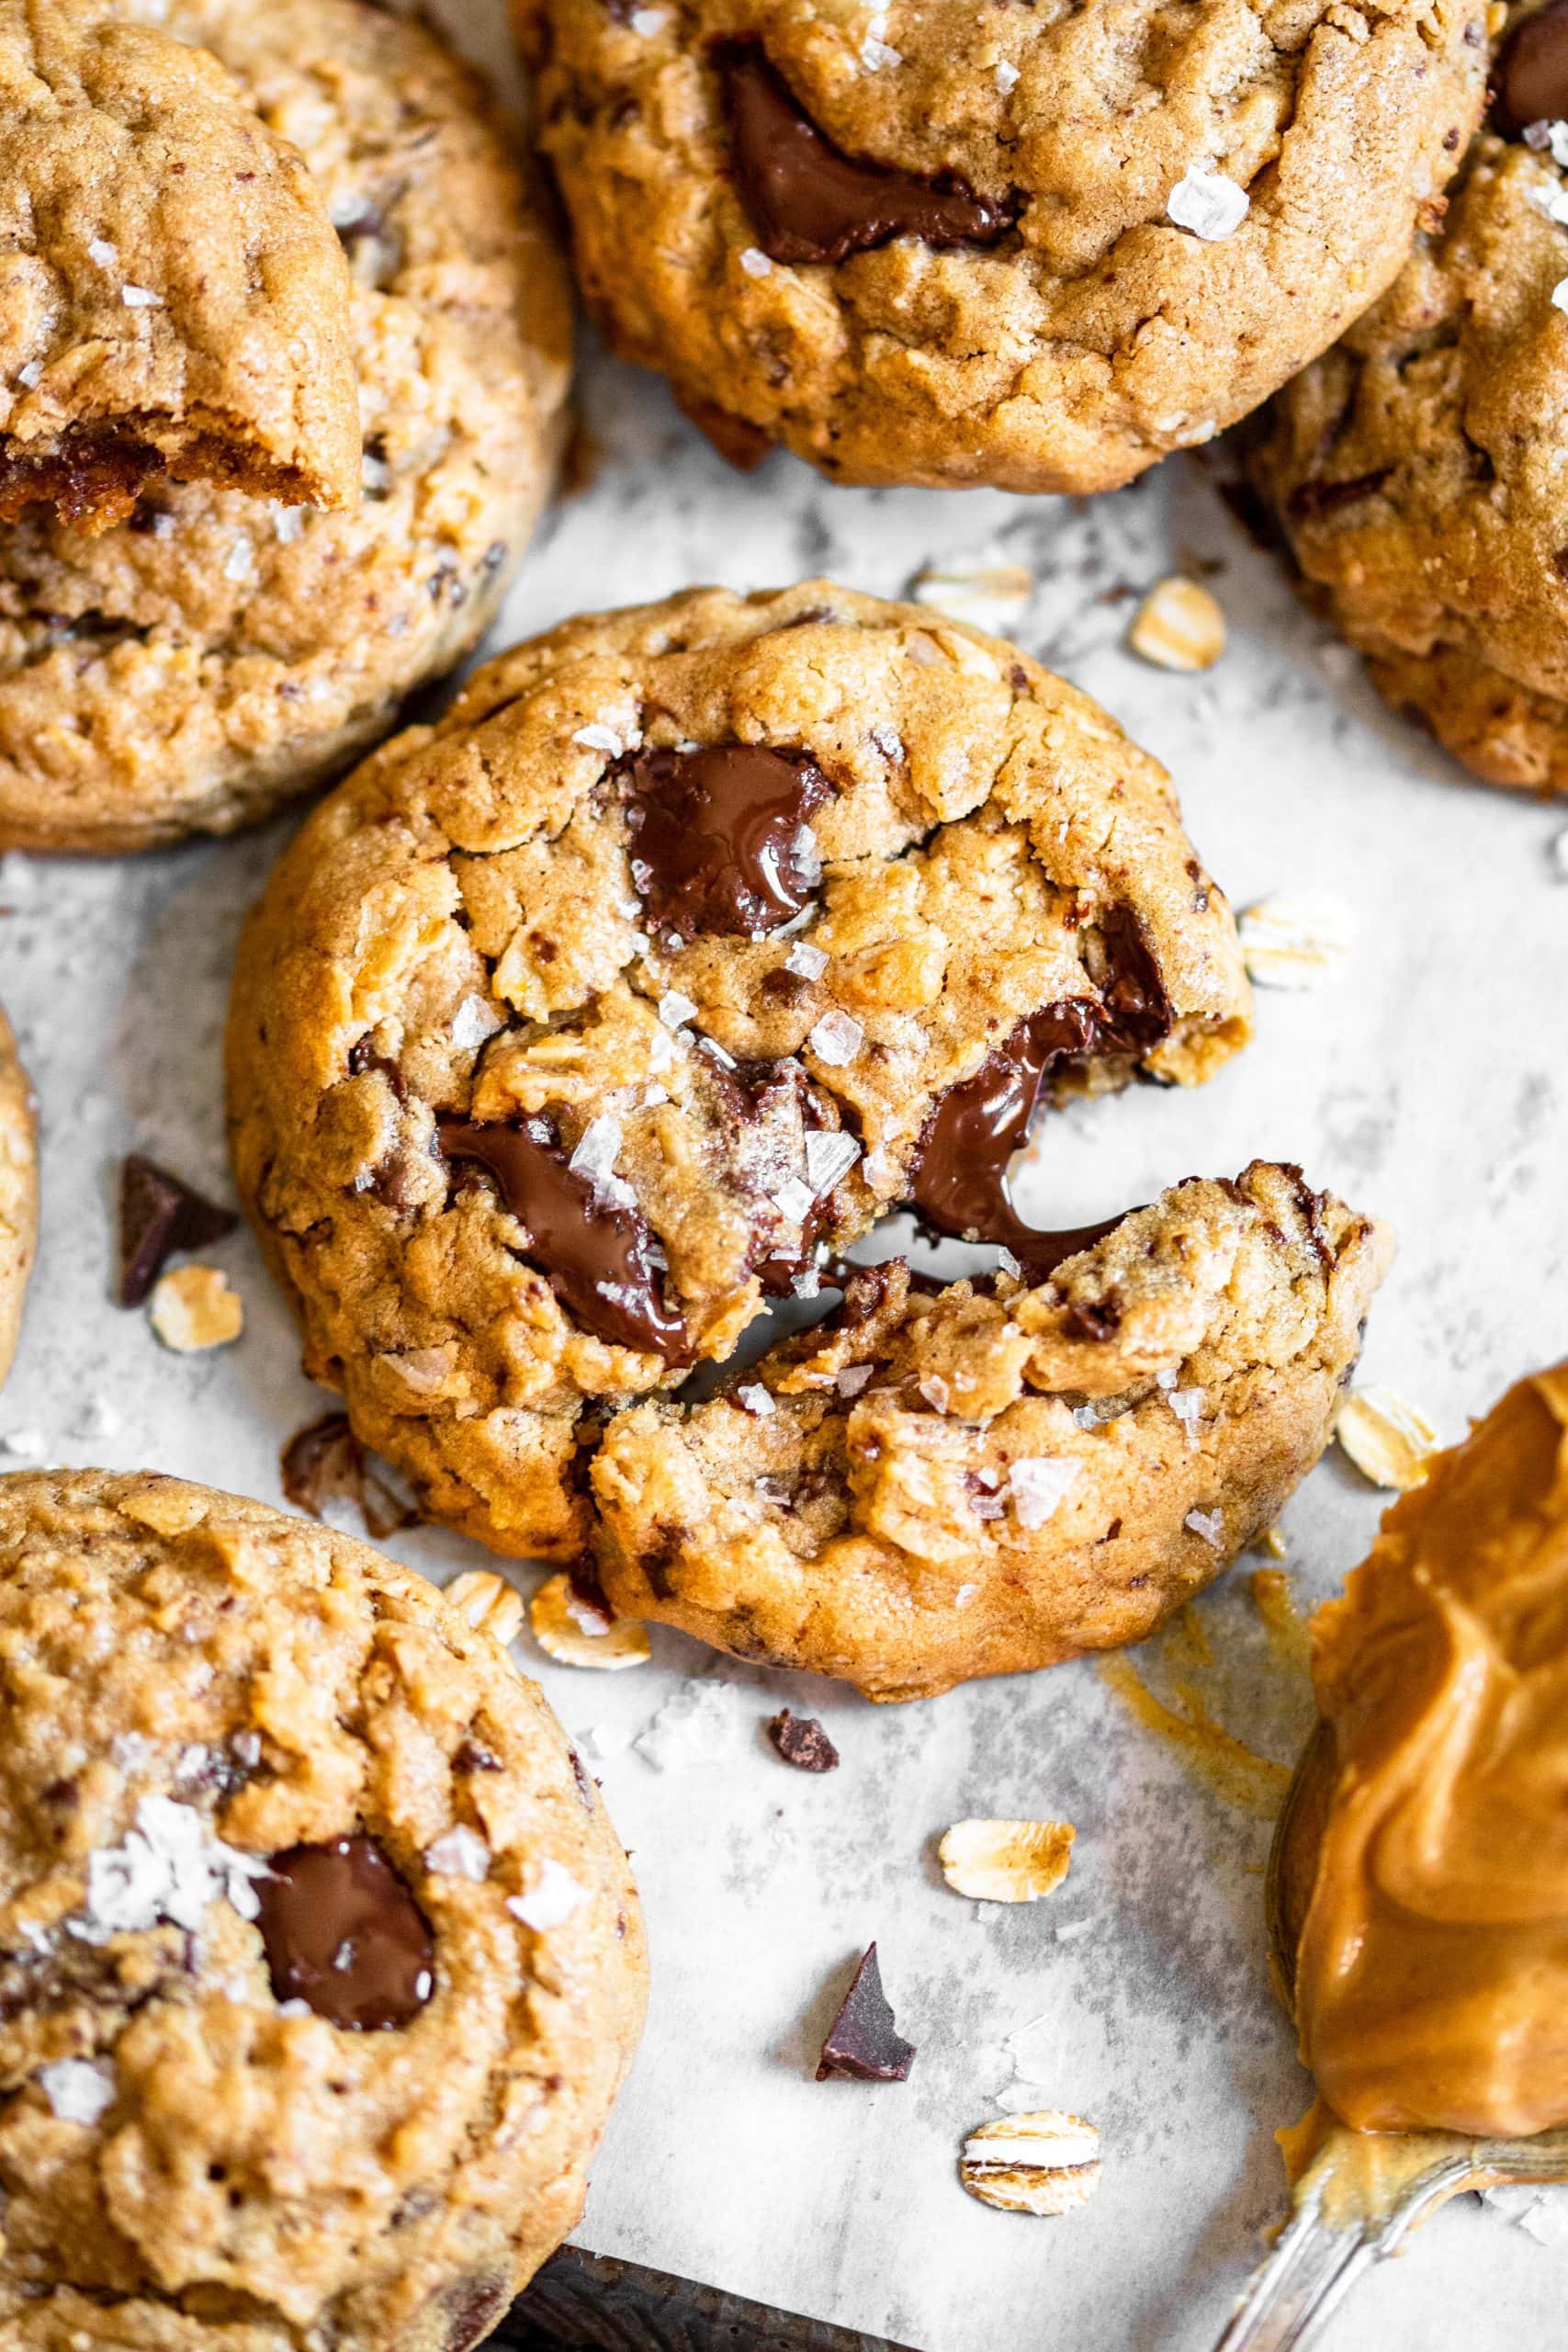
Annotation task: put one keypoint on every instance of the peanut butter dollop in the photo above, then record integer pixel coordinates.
(1431, 1986)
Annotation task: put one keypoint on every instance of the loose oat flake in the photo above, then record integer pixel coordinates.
(988, 595)
(488, 1603)
(1005, 1861)
(1295, 942)
(1389, 1442)
(1043, 2160)
(1178, 626)
(574, 1633)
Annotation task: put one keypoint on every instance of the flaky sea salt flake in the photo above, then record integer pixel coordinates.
(1039, 1484)
(553, 1897)
(837, 1038)
(79, 2090)
(460, 1852)
(807, 963)
(1208, 204)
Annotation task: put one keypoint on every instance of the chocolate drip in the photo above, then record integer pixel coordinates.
(344, 1934)
(717, 838)
(1529, 79)
(811, 202)
(959, 1181)
(595, 1252)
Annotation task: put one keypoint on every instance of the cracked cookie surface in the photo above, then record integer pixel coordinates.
(1002, 294)
(1420, 474)
(217, 653)
(319, 1963)
(537, 1088)
(928, 1488)
(173, 295)
(18, 1192)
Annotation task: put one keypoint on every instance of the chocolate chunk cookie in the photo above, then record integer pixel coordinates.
(1037, 247)
(1421, 468)
(693, 940)
(320, 1963)
(173, 295)
(924, 1489)
(217, 653)
(18, 1192)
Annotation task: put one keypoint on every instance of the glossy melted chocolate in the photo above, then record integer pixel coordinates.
(1530, 80)
(959, 1181)
(717, 838)
(344, 1934)
(809, 202)
(595, 1252)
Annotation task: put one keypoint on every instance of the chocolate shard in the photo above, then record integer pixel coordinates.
(801, 1741)
(344, 1934)
(160, 1213)
(1530, 77)
(863, 2045)
(810, 202)
(324, 1463)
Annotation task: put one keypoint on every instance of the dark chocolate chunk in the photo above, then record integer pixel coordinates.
(811, 202)
(325, 1463)
(801, 1741)
(159, 1213)
(718, 842)
(958, 1184)
(862, 2042)
(1310, 498)
(344, 1934)
(1529, 76)
(594, 1252)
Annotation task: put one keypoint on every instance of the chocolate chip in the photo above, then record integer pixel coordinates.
(593, 1251)
(344, 1934)
(810, 202)
(862, 2043)
(1092, 1319)
(325, 1463)
(1530, 77)
(1310, 498)
(472, 2308)
(958, 1184)
(159, 1213)
(801, 1741)
(718, 844)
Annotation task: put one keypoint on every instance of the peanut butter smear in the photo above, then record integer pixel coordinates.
(1432, 1979)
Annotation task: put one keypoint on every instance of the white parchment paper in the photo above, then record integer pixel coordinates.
(1429, 1083)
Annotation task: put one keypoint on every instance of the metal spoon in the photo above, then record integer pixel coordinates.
(1363, 2193)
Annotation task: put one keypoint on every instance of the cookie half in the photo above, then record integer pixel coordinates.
(926, 1489)
(217, 653)
(320, 1963)
(18, 1192)
(1035, 247)
(172, 294)
(694, 939)
(1419, 470)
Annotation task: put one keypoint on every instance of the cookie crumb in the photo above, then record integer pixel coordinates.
(194, 1308)
(864, 2044)
(801, 1741)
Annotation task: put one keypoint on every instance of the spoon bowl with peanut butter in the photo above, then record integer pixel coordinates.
(1418, 1890)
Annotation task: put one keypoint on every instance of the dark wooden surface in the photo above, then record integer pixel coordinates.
(590, 2302)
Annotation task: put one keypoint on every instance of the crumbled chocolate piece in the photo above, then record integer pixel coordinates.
(325, 1463)
(344, 1934)
(160, 1213)
(720, 838)
(801, 1741)
(810, 202)
(862, 2043)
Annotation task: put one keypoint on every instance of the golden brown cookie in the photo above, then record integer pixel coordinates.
(217, 653)
(320, 1963)
(18, 1192)
(928, 1488)
(1421, 468)
(1037, 247)
(694, 938)
(173, 295)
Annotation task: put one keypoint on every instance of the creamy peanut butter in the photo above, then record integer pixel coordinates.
(1431, 1986)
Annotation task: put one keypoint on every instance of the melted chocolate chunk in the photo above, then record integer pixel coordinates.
(801, 1741)
(158, 1215)
(959, 1185)
(717, 843)
(344, 1935)
(595, 1252)
(1529, 79)
(811, 202)
(862, 2042)
(325, 1463)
